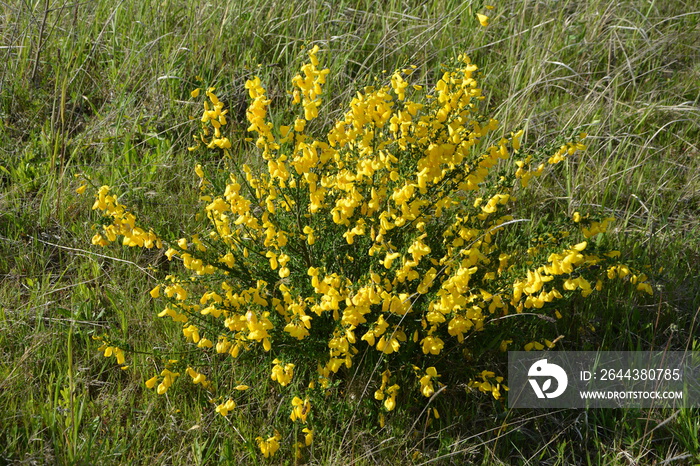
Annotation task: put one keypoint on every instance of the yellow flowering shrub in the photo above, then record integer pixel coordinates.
(393, 239)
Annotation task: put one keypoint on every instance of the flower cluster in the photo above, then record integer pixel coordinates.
(426, 381)
(225, 407)
(215, 115)
(300, 409)
(167, 377)
(489, 383)
(111, 350)
(122, 223)
(282, 374)
(383, 237)
(386, 392)
(268, 447)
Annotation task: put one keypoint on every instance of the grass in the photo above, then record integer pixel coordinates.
(102, 88)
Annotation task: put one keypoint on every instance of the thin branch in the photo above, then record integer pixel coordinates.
(83, 252)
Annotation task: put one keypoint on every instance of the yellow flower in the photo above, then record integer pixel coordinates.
(150, 383)
(168, 379)
(390, 400)
(191, 333)
(483, 19)
(300, 409)
(489, 383)
(119, 353)
(391, 344)
(432, 345)
(270, 446)
(282, 374)
(309, 437)
(389, 259)
(224, 408)
(81, 189)
(426, 383)
(197, 378)
(536, 345)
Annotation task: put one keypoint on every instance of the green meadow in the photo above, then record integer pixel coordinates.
(102, 90)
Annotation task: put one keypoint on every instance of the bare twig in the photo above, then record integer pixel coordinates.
(37, 53)
(83, 252)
